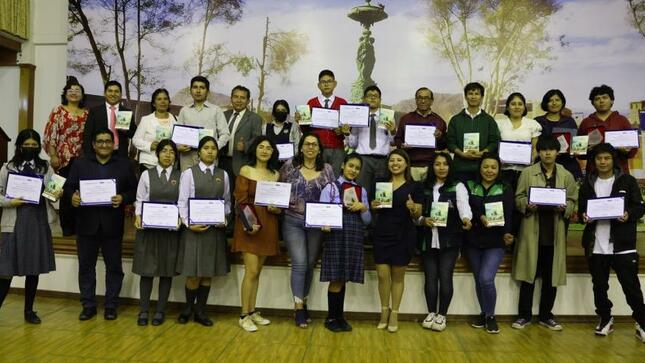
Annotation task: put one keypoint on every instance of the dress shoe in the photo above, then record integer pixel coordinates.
(31, 317)
(184, 317)
(158, 319)
(203, 319)
(142, 320)
(87, 314)
(109, 314)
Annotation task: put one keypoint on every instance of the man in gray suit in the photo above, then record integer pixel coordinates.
(245, 125)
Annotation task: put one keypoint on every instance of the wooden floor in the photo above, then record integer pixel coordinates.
(63, 338)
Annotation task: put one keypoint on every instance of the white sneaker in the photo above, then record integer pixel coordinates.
(428, 321)
(439, 323)
(258, 319)
(247, 324)
(605, 327)
(640, 333)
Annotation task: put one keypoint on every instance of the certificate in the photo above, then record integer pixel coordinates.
(25, 187)
(623, 138)
(273, 193)
(324, 215)
(97, 191)
(206, 211)
(160, 215)
(605, 208)
(186, 135)
(324, 118)
(354, 115)
(547, 196)
(285, 151)
(515, 152)
(420, 136)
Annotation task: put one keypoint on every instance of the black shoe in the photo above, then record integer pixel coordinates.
(158, 319)
(184, 317)
(344, 325)
(203, 319)
(479, 322)
(31, 317)
(491, 325)
(142, 320)
(87, 314)
(333, 325)
(109, 314)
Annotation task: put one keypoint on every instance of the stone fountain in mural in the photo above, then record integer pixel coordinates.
(367, 15)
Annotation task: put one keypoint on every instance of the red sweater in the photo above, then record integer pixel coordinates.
(329, 138)
(421, 156)
(615, 122)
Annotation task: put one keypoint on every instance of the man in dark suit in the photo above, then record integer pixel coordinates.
(101, 226)
(104, 116)
(245, 125)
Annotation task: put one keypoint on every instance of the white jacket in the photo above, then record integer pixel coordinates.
(145, 135)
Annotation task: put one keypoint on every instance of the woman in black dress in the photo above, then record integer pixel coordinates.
(155, 250)
(395, 236)
(26, 245)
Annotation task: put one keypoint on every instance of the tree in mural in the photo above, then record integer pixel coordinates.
(637, 13)
(80, 24)
(510, 41)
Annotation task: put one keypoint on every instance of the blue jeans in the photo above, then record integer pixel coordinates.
(485, 263)
(304, 248)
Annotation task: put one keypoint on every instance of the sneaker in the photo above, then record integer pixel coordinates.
(258, 319)
(439, 323)
(640, 333)
(605, 326)
(520, 323)
(491, 325)
(479, 322)
(247, 324)
(428, 321)
(551, 324)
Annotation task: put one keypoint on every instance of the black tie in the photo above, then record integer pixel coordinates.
(231, 123)
(326, 102)
(372, 131)
(208, 172)
(28, 169)
(164, 177)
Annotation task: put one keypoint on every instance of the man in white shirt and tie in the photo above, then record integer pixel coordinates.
(373, 142)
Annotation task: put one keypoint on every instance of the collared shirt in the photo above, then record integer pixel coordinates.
(187, 190)
(231, 144)
(471, 115)
(359, 139)
(108, 110)
(322, 99)
(143, 189)
(209, 117)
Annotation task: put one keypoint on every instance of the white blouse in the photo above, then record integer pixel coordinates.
(529, 129)
(187, 190)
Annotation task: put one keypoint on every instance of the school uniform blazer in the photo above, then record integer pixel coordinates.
(97, 119)
(249, 127)
(91, 219)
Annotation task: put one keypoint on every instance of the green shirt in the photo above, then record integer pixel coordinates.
(462, 123)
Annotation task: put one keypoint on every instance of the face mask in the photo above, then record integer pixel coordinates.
(280, 116)
(29, 153)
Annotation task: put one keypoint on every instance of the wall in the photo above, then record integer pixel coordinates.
(8, 103)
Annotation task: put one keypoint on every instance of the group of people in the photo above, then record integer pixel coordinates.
(243, 152)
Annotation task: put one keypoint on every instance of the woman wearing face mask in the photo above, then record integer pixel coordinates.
(281, 131)
(26, 244)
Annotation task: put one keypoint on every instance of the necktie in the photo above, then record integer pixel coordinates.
(231, 125)
(372, 131)
(164, 177)
(27, 168)
(326, 102)
(208, 172)
(113, 127)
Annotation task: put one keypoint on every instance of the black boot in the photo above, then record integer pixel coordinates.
(200, 311)
(184, 316)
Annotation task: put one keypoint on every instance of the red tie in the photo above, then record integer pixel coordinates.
(113, 127)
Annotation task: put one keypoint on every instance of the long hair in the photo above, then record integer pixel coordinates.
(406, 157)
(299, 158)
(432, 178)
(18, 158)
(251, 153)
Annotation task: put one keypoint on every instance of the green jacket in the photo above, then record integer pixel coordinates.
(462, 123)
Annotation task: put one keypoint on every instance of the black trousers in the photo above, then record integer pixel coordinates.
(66, 212)
(548, 293)
(438, 267)
(626, 267)
(88, 250)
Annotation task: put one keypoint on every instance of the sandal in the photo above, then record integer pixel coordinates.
(385, 316)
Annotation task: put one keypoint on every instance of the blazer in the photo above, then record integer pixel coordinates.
(249, 127)
(97, 119)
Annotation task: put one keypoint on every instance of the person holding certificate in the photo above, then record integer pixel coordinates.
(100, 224)
(26, 247)
(541, 247)
(423, 115)
(155, 250)
(605, 119)
(611, 243)
(202, 248)
(280, 130)
(261, 240)
(342, 256)
(492, 202)
(441, 238)
(153, 128)
(308, 175)
(394, 237)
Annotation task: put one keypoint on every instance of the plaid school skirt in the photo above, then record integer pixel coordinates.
(342, 255)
